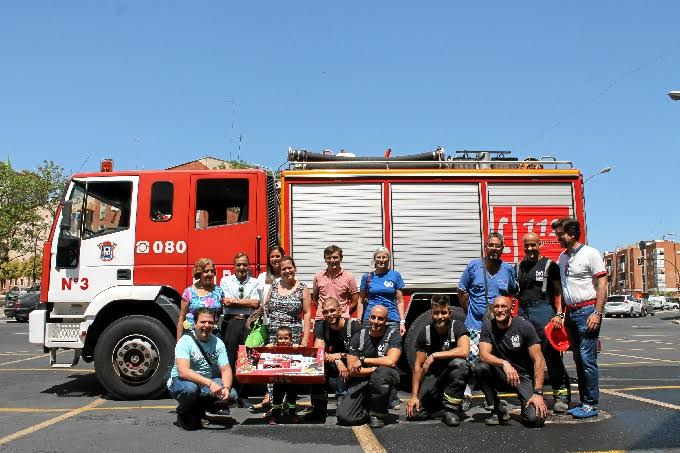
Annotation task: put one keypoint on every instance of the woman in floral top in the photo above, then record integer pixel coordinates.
(203, 293)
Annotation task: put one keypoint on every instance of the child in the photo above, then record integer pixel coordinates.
(284, 337)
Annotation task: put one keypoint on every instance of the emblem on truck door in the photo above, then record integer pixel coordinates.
(142, 246)
(106, 249)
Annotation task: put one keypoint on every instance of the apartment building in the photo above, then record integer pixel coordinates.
(645, 268)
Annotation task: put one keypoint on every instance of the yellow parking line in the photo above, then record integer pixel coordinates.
(50, 422)
(369, 443)
(641, 399)
(70, 370)
(24, 360)
(643, 358)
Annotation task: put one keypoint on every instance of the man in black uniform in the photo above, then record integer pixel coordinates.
(539, 284)
(372, 358)
(333, 334)
(510, 350)
(442, 348)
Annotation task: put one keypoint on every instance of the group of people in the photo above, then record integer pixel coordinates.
(482, 346)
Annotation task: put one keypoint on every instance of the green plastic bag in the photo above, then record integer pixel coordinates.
(257, 336)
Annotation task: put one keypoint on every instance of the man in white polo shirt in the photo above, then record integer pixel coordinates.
(584, 290)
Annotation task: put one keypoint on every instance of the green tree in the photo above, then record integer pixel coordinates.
(25, 197)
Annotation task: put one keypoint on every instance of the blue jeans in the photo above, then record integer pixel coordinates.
(188, 394)
(584, 347)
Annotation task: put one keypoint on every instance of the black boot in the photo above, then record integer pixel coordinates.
(189, 421)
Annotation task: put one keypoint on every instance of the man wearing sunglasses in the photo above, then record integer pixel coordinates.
(241, 298)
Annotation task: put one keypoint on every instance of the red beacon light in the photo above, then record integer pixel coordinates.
(106, 166)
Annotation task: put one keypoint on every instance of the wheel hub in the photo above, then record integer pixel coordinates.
(135, 359)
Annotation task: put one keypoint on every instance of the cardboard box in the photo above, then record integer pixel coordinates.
(280, 364)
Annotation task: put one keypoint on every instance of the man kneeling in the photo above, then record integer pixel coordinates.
(509, 349)
(193, 380)
(442, 347)
(373, 355)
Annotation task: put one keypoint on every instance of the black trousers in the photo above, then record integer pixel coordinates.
(491, 379)
(443, 388)
(334, 383)
(368, 396)
(233, 335)
(289, 391)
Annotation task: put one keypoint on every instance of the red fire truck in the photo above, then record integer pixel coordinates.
(123, 243)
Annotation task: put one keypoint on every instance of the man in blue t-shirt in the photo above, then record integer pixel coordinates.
(201, 377)
(482, 281)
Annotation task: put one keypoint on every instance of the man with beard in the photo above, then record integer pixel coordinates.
(539, 284)
(510, 351)
(584, 290)
(442, 349)
(333, 334)
(334, 282)
(482, 281)
(372, 358)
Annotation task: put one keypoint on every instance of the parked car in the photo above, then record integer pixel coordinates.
(15, 292)
(647, 306)
(671, 303)
(622, 305)
(657, 301)
(20, 308)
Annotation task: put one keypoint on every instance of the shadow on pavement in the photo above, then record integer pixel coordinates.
(661, 437)
(80, 385)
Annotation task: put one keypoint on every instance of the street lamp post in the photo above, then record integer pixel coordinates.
(601, 172)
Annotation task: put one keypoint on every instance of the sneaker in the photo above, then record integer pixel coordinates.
(244, 403)
(375, 422)
(585, 411)
(560, 407)
(451, 419)
(395, 404)
(467, 403)
(571, 411)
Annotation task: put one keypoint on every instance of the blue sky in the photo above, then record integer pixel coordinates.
(153, 84)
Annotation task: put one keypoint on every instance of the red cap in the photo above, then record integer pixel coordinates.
(558, 338)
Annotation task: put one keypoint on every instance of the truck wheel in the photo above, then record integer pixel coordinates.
(133, 356)
(412, 335)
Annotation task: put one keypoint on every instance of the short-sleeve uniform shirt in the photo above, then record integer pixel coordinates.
(513, 343)
(337, 340)
(438, 342)
(374, 347)
(530, 279)
(578, 272)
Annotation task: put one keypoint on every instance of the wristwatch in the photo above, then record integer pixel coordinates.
(361, 359)
(560, 315)
(538, 392)
(598, 313)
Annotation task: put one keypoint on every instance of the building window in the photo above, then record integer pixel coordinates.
(162, 193)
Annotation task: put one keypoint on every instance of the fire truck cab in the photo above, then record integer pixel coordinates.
(123, 244)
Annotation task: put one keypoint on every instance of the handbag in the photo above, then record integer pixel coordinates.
(257, 333)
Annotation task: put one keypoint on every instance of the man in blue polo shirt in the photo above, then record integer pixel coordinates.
(482, 281)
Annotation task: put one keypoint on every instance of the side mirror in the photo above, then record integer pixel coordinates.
(66, 212)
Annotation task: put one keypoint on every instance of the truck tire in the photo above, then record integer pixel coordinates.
(133, 357)
(412, 335)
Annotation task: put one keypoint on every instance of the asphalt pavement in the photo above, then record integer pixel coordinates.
(47, 409)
